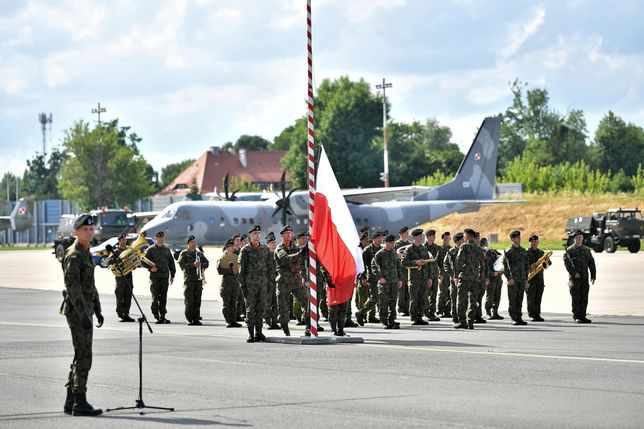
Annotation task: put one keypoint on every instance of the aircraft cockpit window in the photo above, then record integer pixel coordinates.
(169, 213)
(183, 214)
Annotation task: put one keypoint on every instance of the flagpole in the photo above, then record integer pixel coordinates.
(313, 303)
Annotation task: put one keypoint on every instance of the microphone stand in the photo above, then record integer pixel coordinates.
(139, 404)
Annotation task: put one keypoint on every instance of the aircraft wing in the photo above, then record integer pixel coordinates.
(141, 218)
(372, 195)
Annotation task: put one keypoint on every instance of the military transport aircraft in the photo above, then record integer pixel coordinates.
(19, 218)
(213, 222)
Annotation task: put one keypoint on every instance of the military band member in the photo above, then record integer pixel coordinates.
(444, 301)
(432, 291)
(228, 268)
(418, 277)
(449, 265)
(493, 288)
(124, 286)
(161, 275)
(483, 281)
(368, 309)
(516, 272)
(253, 277)
(193, 263)
(579, 261)
(469, 271)
(403, 292)
(289, 278)
(271, 315)
(534, 290)
(81, 304)
(386, 267)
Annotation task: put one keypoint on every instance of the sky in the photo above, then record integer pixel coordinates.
(187, 75)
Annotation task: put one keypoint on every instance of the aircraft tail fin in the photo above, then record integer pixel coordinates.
(476, 177)
(21, 217)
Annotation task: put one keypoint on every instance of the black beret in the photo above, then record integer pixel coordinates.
(578, 232)
(122, 236)
(254, 228)
(286, 228)
(403, 229)
(483, 240)
(390, 238)
(458, 236)
(469, 231)
(302, 234)
(235, 236)
(243, 237)
(83, 219)
(229, 242)
(430, 232)
(270, 237)
(375, 234)
(416, 232)
(515, 234)
(160, 234)
(445, 234)
(534, 238)
(192, 237)
(364, 236)
(477, 234)
(364, 228)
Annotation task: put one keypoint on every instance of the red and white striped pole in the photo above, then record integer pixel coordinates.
(313, 301)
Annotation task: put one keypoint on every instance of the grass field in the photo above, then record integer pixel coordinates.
(544, 215)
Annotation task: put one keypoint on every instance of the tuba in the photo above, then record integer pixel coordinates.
(132, 257)
(542, 263)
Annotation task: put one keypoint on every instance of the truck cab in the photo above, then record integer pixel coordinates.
(607, 231)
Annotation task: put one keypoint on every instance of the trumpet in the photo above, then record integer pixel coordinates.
(200, 275)
(430, 260)
(542, 263)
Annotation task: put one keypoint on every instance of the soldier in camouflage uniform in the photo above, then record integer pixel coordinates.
(483, 281)
(240, 310)
(448, 265)
(418, 277)
(403, 292)
(162, 269)
(432, 291)
(190, 260)
(271, 314)
(362, 290)
(124, 286)
(534, 290)
(253, 277)
(80, 305)
(469, 271)
(364, 242)
(579, 261)
(228, 268)
(368, 309)
(444, 301)
(516, 272)
(385, 265)
(289, 278)
(493, 288)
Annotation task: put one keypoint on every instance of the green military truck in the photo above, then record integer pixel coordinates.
(107, 224)
(606, 231)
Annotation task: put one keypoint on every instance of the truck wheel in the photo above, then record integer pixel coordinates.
(634, 246)
(609, 245)
(598, 248)
(60, 252)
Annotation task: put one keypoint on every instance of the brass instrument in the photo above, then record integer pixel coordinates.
(401, 251)
(430, 260)
(200, 275)
(542, 263)
(132, 257)
(229, 261)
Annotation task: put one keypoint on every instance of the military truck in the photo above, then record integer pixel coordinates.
(606, 231)
(108, 223)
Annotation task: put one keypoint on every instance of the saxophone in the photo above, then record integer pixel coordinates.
(542, 263)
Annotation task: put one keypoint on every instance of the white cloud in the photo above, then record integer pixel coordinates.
(520, 32)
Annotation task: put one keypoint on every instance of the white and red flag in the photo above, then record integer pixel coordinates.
(334, 235)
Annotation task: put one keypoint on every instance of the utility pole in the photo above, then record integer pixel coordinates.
(98, 111)
(384, 176)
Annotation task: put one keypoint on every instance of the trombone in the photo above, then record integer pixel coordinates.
(200, 272)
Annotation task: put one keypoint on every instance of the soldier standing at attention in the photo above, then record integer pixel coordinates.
(301, 243)
(240, 311)
(362, 293)
(493, 288)
(228, 268)
(79, 307)
(368, 309)
(534, 291)
(516, 272)
(418, 276)
(289, 280)
(483, 281)
(469, 271)
(193, 262)
(386, 267)
(253, 277)
(124, 285)
(579, 260)
(444, 301)
(403, 292)
(162, 269)
(448, 265)
(364, 242)
(271, 314)
(432, 291)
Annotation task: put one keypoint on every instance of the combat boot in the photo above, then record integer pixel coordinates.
(460, 325)
(273, 325)
(251, 334)
(480, 320)
(83, 408)
(520, 322)
(69, 401)
(259, 337)
(360, 318)
(351, 324)
(538, 318)
(340, 333)
(584, 319)
(287, 332)
(320, 328)
(334, 328)
(470, 324)
(374, 319)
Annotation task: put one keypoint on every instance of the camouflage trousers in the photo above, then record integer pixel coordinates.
(417, 288)
(444, 295)
(369, 307)
(493, 294)
(453, 293)
(271, 312)
(431, 294)
(241, 306)
(255, 300)
(159, 291)
(82, 363)
(363, 293)
(229, 292)
(322, 303)
(515, 296)
(403, 294)
(338, 315)
(387, 294)
(283, 298)
(534, 294)
(348, 312)
(579, 289)
(123, 292)
(298, 309)
(192, 299)
(466, 300)
(480, 291)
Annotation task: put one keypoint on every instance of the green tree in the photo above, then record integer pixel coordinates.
(240, 184)
(8, 183)
(618, 145)
(251, 143)
(194, 194)
(101, 171)
(293, 140)
(171, 171)
(40, 179)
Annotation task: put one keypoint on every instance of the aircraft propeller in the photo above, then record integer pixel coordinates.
(284, 201)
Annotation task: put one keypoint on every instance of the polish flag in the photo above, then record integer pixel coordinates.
(334, 235)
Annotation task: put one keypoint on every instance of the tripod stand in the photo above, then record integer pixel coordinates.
(139, 404)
